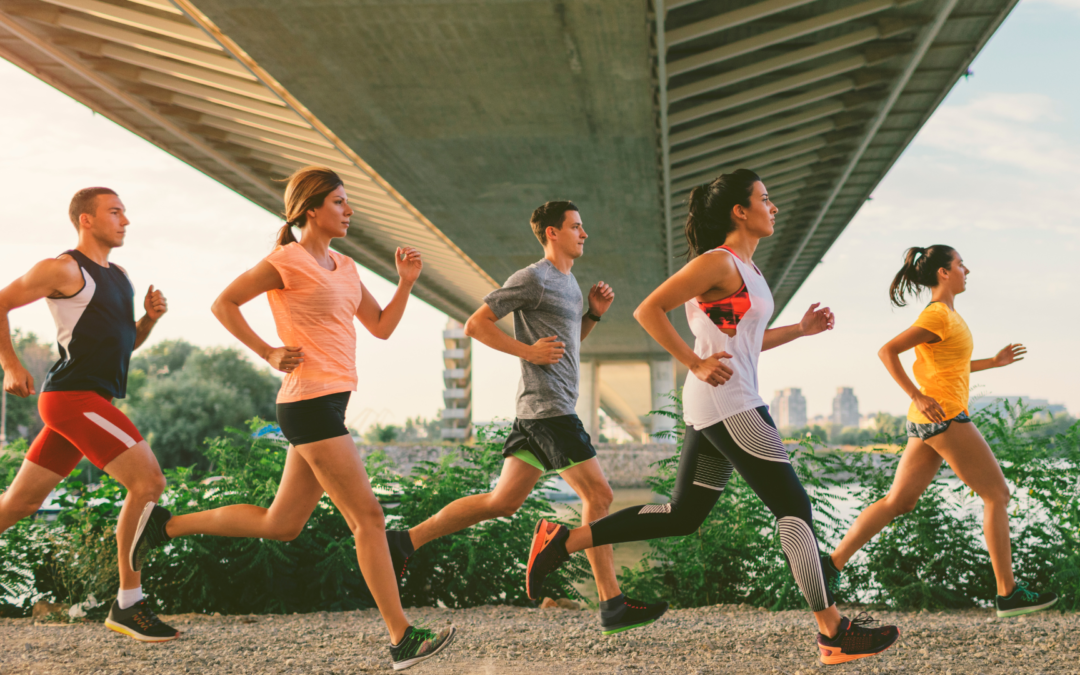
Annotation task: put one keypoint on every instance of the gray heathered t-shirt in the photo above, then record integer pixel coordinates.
(545, 302)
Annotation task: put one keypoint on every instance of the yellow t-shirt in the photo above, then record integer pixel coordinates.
(943, 368)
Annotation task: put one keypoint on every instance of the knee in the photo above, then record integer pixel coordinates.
(20, 508)
(502, 506)
(151, 485)
(598, 497)
(996, 497)
(286, 531)
(368, 517)
(898, 506)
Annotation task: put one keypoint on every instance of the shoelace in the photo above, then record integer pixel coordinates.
(146, 618)
(1030, 596)
(417, 638)
(863, 620)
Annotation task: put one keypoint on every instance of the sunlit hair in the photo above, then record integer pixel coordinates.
(307, 189)
(920, 270)
(551, 214)
(85, 201)
(709, 222)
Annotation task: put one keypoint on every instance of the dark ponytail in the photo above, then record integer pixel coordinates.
(920, 270)
(709, 222)
(307, 189)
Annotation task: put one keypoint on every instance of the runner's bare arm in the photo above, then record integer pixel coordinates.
(155, 305)
(55, 277)
(381, 322)
(1011, 353)
(702, 276)
(246, 287)
(813, 322)
(482, 326)
(600, 298)
(890, 356)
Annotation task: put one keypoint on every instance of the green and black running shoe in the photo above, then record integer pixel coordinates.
(1023, 601)
(622, 613)
(139, 622)
(150, 534)
(832, 575)
(420, 644)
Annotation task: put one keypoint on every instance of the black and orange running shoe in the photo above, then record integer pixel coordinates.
(622, 613)
(548, 553)
(401, 550)
(856, 640)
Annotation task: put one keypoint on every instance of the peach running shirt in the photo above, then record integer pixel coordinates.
(943, 369)
(315, 311)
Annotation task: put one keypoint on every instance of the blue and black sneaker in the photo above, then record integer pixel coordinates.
(1023, 601)
(420, 644)
(621, 613)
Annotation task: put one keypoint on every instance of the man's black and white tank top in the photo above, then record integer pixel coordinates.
(95, 331)
(703, 404)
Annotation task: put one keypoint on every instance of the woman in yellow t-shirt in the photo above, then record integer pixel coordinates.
(938, 425)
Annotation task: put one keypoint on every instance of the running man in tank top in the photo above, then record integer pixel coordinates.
(938, 425)
(93, 304)
(547, 435)
(728, 428)
(315, 294)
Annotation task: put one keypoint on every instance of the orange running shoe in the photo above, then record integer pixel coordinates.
(547, 555)
(855, 640)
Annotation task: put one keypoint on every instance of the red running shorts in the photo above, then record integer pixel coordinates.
(80, 424)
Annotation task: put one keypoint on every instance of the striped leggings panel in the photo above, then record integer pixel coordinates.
(747, 443)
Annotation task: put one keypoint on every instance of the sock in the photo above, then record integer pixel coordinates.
(127, 597)
(613, 603)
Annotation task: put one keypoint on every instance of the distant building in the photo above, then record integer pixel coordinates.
(845, 408)
(788, 409)
(995, 403)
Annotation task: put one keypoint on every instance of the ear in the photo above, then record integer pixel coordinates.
(84, 220)
(551, 232)
(738, 212)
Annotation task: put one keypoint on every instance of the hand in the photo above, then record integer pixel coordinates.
(19, 381)
(929, 407)
(1010, 354)
(408, 263)
(712, 370)
(285, 359)
(546, 351)
(600, 298)
(817, 320)
(155, 304)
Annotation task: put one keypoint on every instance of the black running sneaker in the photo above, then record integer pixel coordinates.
(622, 613)
(139, 622)
(401, 549)
(149, 535)
(856, 640)
(420, 644)
(548, 553)
(1023, 601)
(832, 575)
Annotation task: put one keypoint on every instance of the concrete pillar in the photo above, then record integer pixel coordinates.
(457, 378)
(588, 402)
(662, 383)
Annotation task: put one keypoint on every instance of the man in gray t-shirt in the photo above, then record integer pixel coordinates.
(547, 435)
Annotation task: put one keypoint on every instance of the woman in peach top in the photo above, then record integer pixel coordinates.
(314, 293)
(938, 426)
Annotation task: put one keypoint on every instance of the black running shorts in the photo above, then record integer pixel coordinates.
(927, 431)
(556, 442)
(315, 419)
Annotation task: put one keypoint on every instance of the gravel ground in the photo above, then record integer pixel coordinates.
(720, 639)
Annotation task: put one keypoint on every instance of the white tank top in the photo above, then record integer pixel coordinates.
(703, 404)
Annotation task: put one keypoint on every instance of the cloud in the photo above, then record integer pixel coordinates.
(1065, 4)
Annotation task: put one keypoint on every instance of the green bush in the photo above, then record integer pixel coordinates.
(75, 556)
(933, 557)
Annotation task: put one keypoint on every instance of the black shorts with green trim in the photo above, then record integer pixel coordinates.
(557, 443)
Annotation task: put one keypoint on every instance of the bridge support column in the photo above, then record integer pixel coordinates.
(588, 402)
(662, 383)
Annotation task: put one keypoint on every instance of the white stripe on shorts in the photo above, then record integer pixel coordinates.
(105, 424)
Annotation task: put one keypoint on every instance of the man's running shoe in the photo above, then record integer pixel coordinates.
(856, 640)
(832, 575)
(622, 613)
(419, 644)
(548, 553)
(1023, 601)
(149, 535)
(401, 549)
(139, 622)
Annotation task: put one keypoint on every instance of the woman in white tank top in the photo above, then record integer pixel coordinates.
(729, 305)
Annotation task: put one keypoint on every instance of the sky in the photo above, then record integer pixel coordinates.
(995, 173)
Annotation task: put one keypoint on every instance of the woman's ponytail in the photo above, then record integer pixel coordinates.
(285, 235)
(307, 189)
(709, 221)
(919, 271)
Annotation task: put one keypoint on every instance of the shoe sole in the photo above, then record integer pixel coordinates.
(124, 630)
(412, 662)
(144, 518)
(620, 629)
(844, 658)
(1027, 610)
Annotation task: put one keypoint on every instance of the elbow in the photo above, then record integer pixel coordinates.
(885, 354)
(470, 327)
(639, 313)
(218, 308)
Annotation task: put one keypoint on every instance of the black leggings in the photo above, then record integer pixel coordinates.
(747, 442)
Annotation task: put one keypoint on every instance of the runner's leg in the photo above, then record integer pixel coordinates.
(515, 483)
(337, 465)
(918, 465)
(293, 504)
(970, 457)
(137, 470)
(27, 492)
(588, 481)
